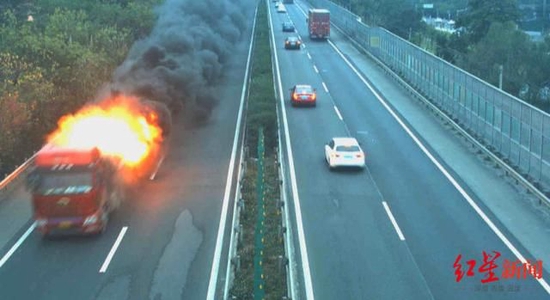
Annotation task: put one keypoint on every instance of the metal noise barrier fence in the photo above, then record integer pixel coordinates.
(516, 131)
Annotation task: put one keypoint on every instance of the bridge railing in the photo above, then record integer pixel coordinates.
(514, 130)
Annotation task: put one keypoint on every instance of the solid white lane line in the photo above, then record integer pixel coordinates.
(17, 244)
(325, 87)
(308, 56)
(442, 169)
(289, 234)
(338, 113)
(113, 250)
(152, 177)
(315, 68)
(233, 225)
(392, 219)
(308, 286)
(212, 284)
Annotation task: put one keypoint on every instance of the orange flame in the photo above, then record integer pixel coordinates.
(118, 127)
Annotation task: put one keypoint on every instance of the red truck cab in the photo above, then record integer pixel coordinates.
(318, 23)
(70, 191)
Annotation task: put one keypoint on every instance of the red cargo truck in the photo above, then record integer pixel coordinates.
(73, 190)
(318, 23)
(95, 155)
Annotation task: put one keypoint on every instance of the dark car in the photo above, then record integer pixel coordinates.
(303, 94)
(288, 27)
(292, 42)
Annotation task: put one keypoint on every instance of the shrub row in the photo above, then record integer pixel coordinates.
(261, 113)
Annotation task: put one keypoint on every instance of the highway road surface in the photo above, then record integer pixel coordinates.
(160, 244)
(394, 230)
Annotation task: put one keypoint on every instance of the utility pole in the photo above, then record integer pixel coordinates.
(500, 68)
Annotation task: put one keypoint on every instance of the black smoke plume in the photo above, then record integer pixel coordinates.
(182, 60)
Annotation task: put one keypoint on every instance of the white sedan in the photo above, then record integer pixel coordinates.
(281, 8)
(344, 152)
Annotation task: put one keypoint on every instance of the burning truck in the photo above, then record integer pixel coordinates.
(79, 177)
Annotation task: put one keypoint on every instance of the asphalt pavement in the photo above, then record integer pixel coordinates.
(354, 248)
(171, 223)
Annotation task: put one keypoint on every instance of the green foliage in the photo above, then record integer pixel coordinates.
(443, 42)
(539, 62)
(482, 13)
(261, 112)
(74, 47)
(138, 16)
(492, 39)
(398, 16)
(502, 45)
(275, 281)
(244, 279)
(443, 7)
(261, 100)
(23, 94)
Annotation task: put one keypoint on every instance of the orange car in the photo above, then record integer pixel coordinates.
(303, 94)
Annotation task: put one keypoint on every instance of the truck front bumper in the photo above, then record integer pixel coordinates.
(67, 226)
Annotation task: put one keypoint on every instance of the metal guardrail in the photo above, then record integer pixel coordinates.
(513, 133)
(288, 259)
(237, 230)
(12, 180)
(239, 207)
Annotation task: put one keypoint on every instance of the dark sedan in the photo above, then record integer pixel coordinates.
(288, 27)
(292, 42)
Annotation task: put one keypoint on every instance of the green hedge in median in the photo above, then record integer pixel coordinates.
(261, 113)
(261, 100)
